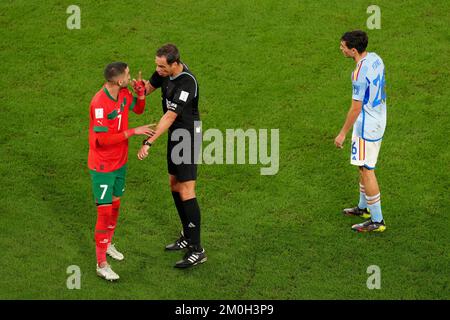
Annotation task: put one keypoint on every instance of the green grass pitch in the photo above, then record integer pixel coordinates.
(260, 64)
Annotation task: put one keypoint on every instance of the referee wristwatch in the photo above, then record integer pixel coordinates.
(146, 143)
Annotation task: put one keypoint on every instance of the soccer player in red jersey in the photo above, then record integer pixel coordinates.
(108, 154)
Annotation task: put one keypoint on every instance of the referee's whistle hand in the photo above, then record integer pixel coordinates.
(143, 152)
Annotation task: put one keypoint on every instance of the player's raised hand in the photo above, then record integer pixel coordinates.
(139, 79)
(147, 130)
(143, 152)
(139, 85)
(339, 140)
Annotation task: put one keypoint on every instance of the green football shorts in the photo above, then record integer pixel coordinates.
(105, 185)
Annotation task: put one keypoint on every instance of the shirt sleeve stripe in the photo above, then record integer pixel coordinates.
(356, 74)
(100, 129)
(133, 103)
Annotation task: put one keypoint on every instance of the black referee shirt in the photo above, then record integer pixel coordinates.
(180, 95)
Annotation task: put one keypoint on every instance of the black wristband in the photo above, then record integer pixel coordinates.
(146, 143)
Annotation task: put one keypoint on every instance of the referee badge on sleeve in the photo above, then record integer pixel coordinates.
(184, 95)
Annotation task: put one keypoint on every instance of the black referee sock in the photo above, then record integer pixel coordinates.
(192, 211)
(181, 213)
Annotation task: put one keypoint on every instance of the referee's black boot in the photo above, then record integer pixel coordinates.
(181, 243)
(193, 257)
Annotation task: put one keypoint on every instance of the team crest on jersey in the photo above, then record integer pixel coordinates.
(355, 89)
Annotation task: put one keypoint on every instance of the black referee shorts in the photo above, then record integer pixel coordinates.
(182, 171)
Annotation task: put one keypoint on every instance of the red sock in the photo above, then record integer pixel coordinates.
(113, 219)
(101, 232)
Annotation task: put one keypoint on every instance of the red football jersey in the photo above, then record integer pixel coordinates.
(111, 116)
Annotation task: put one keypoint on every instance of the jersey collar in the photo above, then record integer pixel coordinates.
(185, 68)
(361, 61)
(109, 95)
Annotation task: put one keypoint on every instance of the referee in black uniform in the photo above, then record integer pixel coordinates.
(179, 93)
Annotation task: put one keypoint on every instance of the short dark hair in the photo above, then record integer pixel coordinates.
(114, 69)
(170, 51)
(356, 39)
